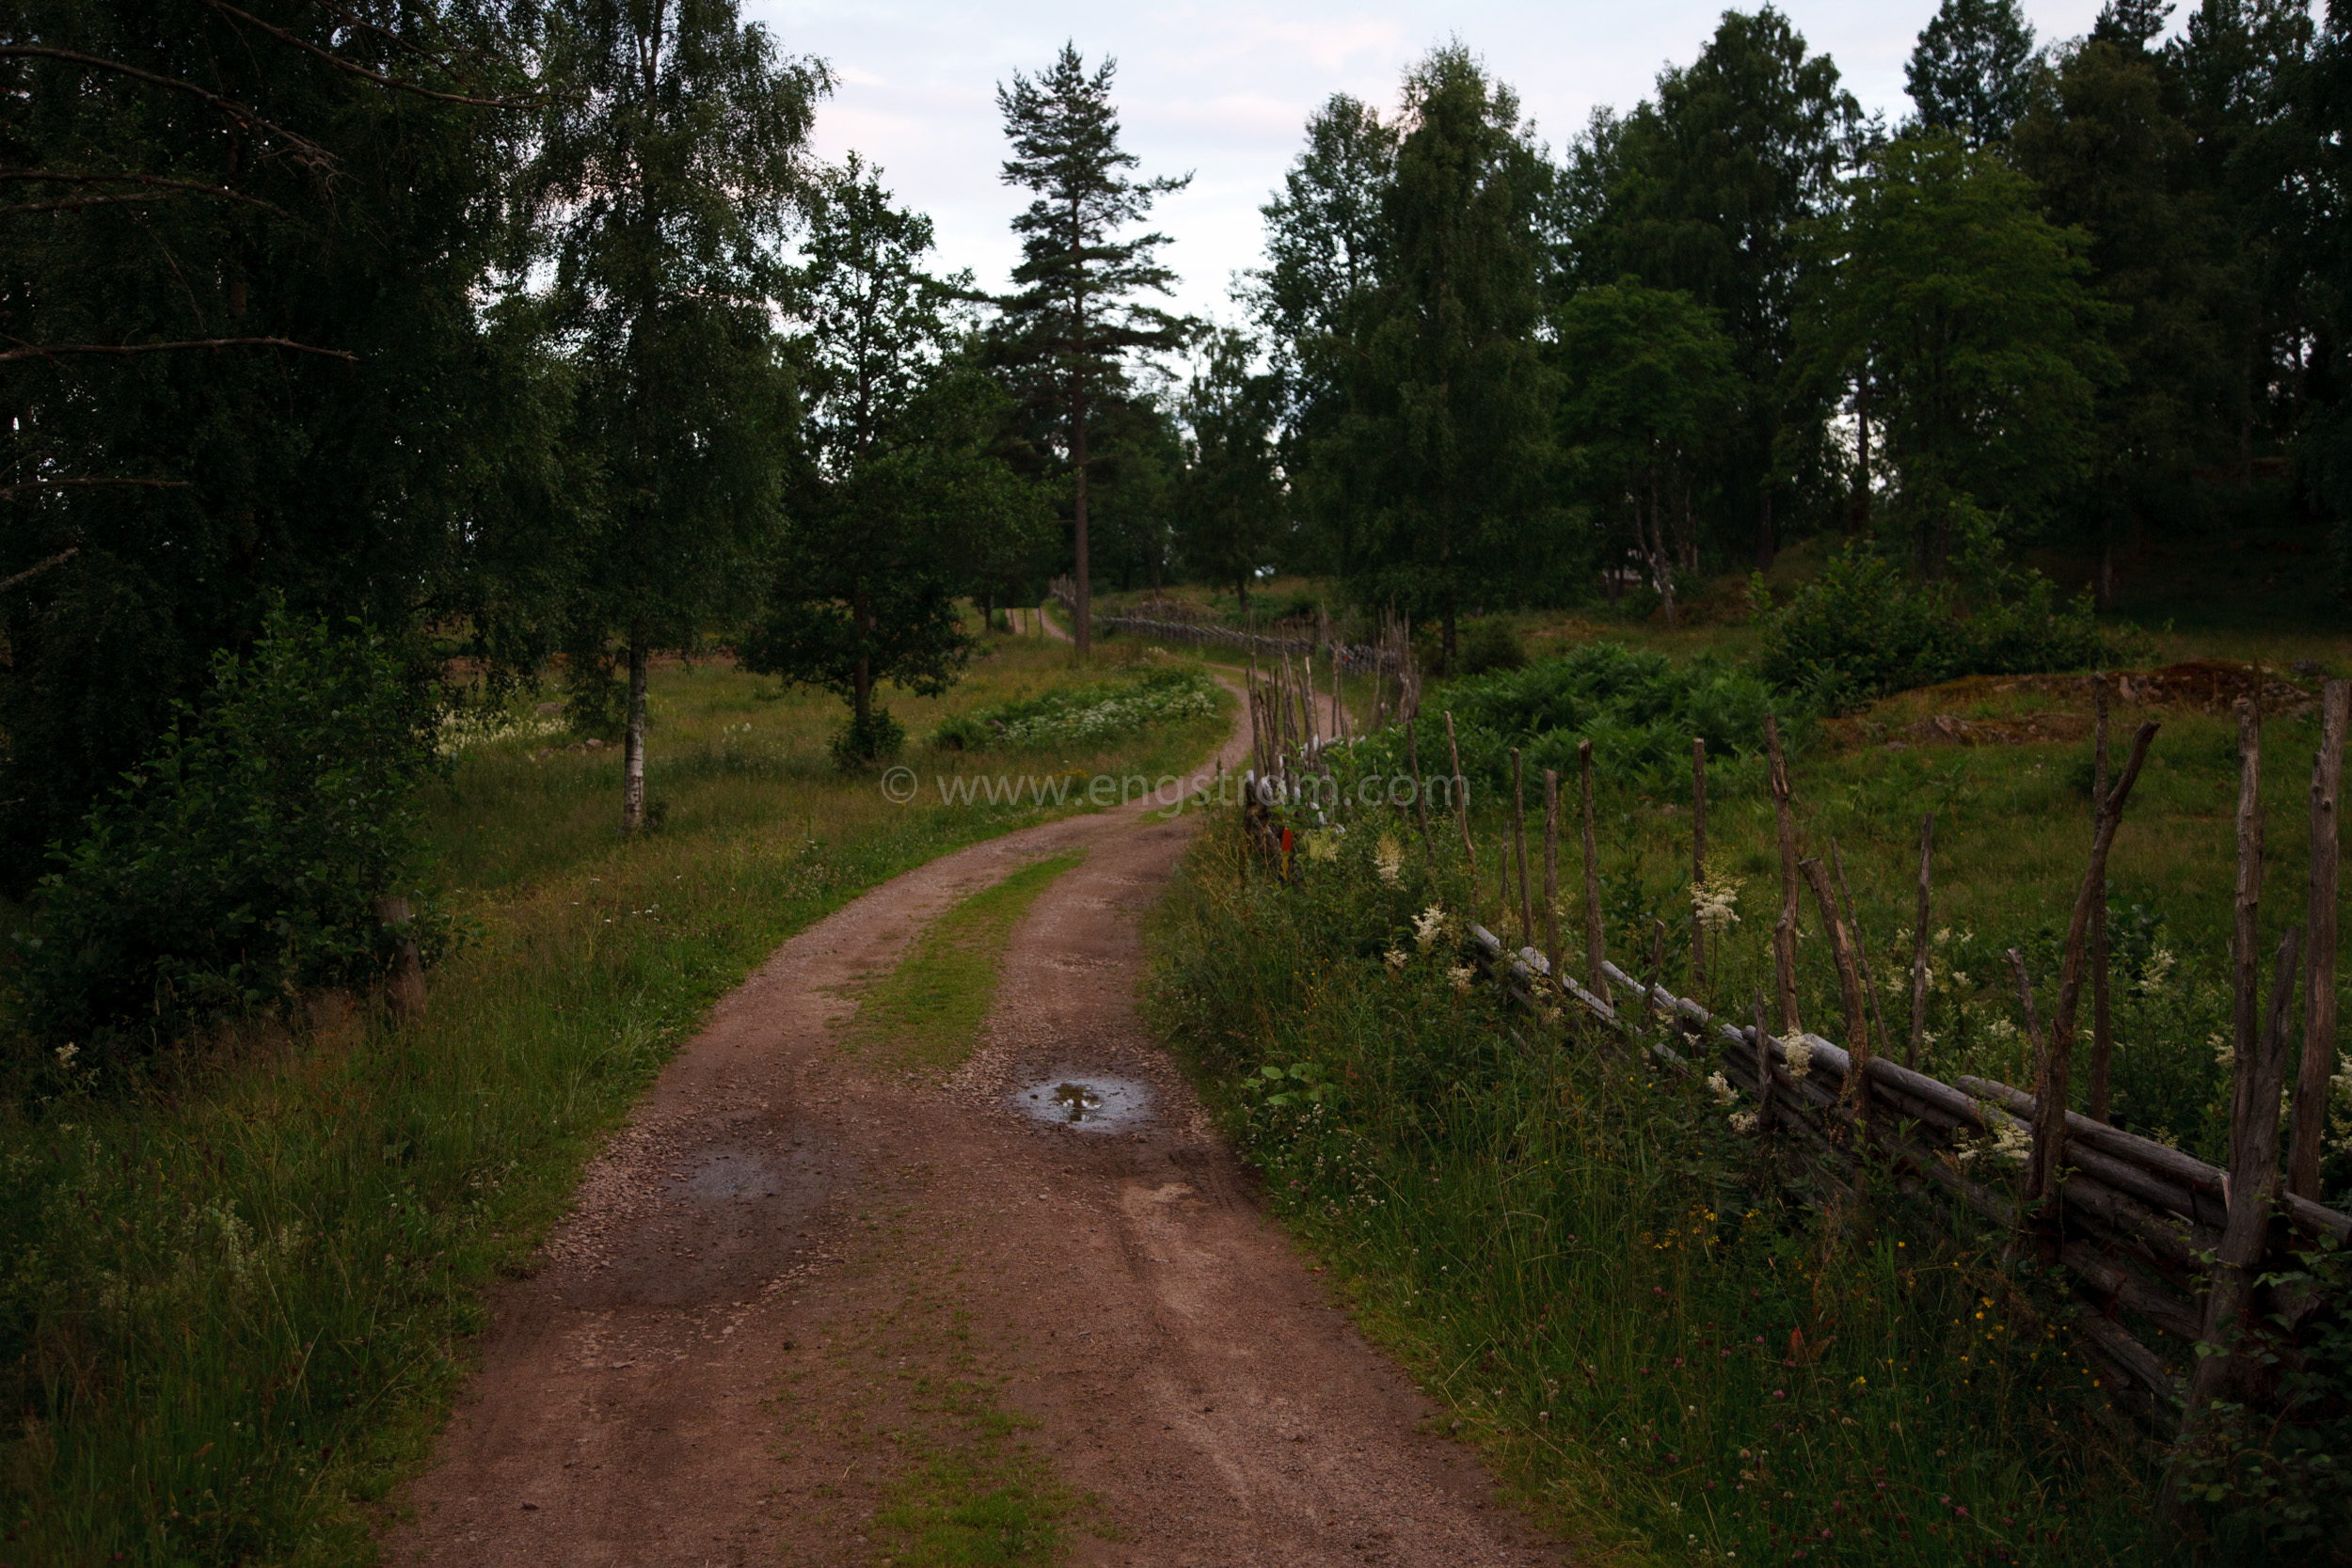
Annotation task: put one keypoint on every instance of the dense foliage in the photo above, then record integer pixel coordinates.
(1085, 715)
(1863, 630)
(237, 866)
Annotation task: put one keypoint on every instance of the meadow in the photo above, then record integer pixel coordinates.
(235, 1302)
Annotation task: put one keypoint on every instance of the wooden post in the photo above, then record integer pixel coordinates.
(1861, 949)
(1461, 801)
(2319, 953)
(1657, 976)
(1841, 952)
(2037, 1167)
(2050, 1130)
(1594, 947)
(2102, 1031)
(1519, 846)
(1785, 932)
(1698, 860)
(1763, 1068)
(2225, 1372)
(1551, 871)
(1919, 947)
(1502, 884)
(404, 978)
(2246, 1033)
(1421, 792)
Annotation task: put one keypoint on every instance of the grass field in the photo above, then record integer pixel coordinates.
(234, 1310)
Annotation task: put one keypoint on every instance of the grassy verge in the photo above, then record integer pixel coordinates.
(232, 1310)
(924, 1015)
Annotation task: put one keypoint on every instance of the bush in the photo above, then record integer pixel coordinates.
(859, 743)
(1863, 631)
(1639, 709)
(236, 867)
(1491, 645)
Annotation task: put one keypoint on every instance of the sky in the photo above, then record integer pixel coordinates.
(1223, 91)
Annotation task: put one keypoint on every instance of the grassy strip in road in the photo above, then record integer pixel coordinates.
(232, 1312)
(926, 1014)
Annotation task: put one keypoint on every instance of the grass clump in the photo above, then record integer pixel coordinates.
(927, 1012)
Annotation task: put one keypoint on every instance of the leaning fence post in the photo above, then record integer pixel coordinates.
(1594, 948)
(1551, 872)
(1785, 932)
(1919, 947)
(1850, 990)
(1518, 845)
(1860, 949)
(2244, 956)
(1461, 802)
(1763, 1068)
(2223, 1372)
(2319, 952)
(1698, 860)
(2102, 1030)
(1421, 792)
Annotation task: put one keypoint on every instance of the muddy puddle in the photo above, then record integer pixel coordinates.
(1091, 1101)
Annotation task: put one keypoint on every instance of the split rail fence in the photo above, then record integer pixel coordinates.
(2164, 1251)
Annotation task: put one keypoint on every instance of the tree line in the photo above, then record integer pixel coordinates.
(2085, 292)
(522, 330)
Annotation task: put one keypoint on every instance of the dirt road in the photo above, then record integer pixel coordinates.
(797, 1280)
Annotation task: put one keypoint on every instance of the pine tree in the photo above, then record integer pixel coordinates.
(1973, 72)
(2133, 24)
(1066, 332)
(672, 154)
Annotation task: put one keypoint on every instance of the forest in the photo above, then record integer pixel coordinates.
(446, 432)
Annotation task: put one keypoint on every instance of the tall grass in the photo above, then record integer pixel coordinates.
(1606, 1281)
(233, 1309)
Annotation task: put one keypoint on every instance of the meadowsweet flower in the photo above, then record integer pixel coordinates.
(1743, 1122)
(1387, 859)
(1800, 1056)
(1462, 974)
(1724, 1093)
(2153, 972)
(1716, 903)
(2224, 1051)
(1429, 924)
(1322, 844)
(2001, 1029)
(1394, 959)
(2012, 1140)
(65, 1053)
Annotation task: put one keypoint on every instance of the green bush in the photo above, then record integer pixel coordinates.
(858, 744)
(234, 867)
(1489, 644)
(1639, 709)
(1863, 630)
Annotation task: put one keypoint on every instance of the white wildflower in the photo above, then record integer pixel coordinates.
(1429, 924)
(1942, 936)
(1394, 959)
(1387, 859)
(1462, 974)
(1322, 844)
(1716, 905)
(1800, 1056)
(1724, 1094)
(2012, 1140)
(2153, 974)
(2001, 1029)
(2224, 1051)
(65, 1053)
(1743, 1122)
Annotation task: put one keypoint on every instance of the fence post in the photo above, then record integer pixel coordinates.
(1785, 931)
(1518, 845)
(1421, 792)
(1698, 860)
(1595, 948)
(1919, 947)
(1551, 872)
(2244, 956)
(2102, 1030)
(1461, 802)
(404, 980)
(2319, 954)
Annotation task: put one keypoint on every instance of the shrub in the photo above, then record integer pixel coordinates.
(859, 743)
(1863, 630)
(236, 865)
(1639, 709)
(1491, 645)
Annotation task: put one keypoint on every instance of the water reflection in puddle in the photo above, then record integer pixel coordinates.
(1087, 1100)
